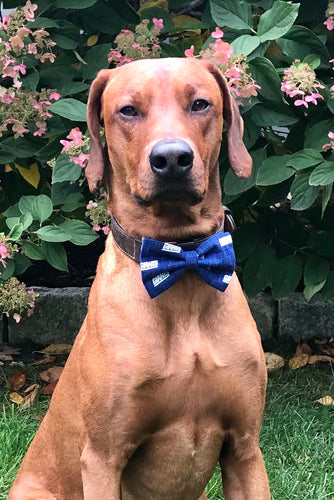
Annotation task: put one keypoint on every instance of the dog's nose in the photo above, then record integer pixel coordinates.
(171, 158)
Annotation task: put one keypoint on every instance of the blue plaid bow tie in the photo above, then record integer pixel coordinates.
(162, 264)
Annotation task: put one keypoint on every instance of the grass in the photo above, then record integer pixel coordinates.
(297, 437)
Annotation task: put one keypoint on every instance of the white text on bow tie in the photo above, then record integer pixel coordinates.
(225, 240)
(151, 264)
(169, 247)
(160, 278)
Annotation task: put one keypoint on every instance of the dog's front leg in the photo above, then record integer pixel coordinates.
(244, 475)
(101, 474)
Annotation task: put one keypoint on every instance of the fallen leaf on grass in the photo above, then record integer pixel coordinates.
(326, 401)
(6, 357)
(319, 357)
(16, 398)
(52, 374)
(45, 360)
(298, 361)
(303, 348)
(48, 389)
(17, 381)
(30, 395)
(273, 361)
(57, 349)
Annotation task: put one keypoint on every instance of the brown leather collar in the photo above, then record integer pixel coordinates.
(131, 246)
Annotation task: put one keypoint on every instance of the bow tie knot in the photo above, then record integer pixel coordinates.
(190, 259)
(162, 264)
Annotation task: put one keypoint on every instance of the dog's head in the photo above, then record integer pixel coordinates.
(163, 121)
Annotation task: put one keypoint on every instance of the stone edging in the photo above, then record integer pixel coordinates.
(60, 311)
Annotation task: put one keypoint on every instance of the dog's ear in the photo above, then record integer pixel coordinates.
(240, 160)
(95, 167)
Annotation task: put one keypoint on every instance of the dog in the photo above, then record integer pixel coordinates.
(157, 391)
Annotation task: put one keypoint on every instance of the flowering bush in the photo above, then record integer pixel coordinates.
(278, 62)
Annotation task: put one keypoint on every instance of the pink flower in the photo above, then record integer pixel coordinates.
(329, 23)
(29, 9)
(301, 102)
(75, 135)
(81, 159)
(21, 68)
(3, 251)
(32, 48)
(16, 43)
(159, 23)
(105, 229)
(17, 317)
(55, 96)
(223, 51)
(313, 97)
(96, 227)
(218, 33)
(66, 144)
(7, 98)
(91, 204)
(135, 45)
(189, 52)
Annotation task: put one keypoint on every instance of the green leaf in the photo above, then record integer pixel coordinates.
(71, 88)
(323, 174)
(21, 263)
(285, 276)
(96, 59)
(235, 15)
(315, 274)
(300, 42)
(234, 185)
(9, 270)
(312, 60)
(12, 221)
(23, 147)
(54, 234)
(42, 22)
(277, 21)
(302, 194)
(6, 157)
(65, 169)
(317, 135)
(246, 239)
(30, 81)
(74, 4)
(65, 42)
(73, 201)
(305, 158)
(265, 75)
(326, 196)
(245, 44)
(79, 232)
(25, 204)
(257, 270)
(33, 251)
(274, 170)
(41, 208)
(263, 116)
(25, 220)
(70, 108)
(16, 232)
(312, 289)
(327, 292)
(61, 190)
(55, 255)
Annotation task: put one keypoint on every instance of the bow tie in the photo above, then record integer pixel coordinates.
(162, 264)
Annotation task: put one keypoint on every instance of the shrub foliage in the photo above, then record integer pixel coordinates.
(277, 58)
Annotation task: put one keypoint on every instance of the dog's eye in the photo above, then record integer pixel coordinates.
(128, 111)
(199, 105)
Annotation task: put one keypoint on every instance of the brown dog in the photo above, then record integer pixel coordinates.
(157, 391)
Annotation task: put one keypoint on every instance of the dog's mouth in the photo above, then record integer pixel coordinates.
(171, 196)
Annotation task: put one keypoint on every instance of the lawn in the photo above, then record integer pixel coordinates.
(297, 436)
